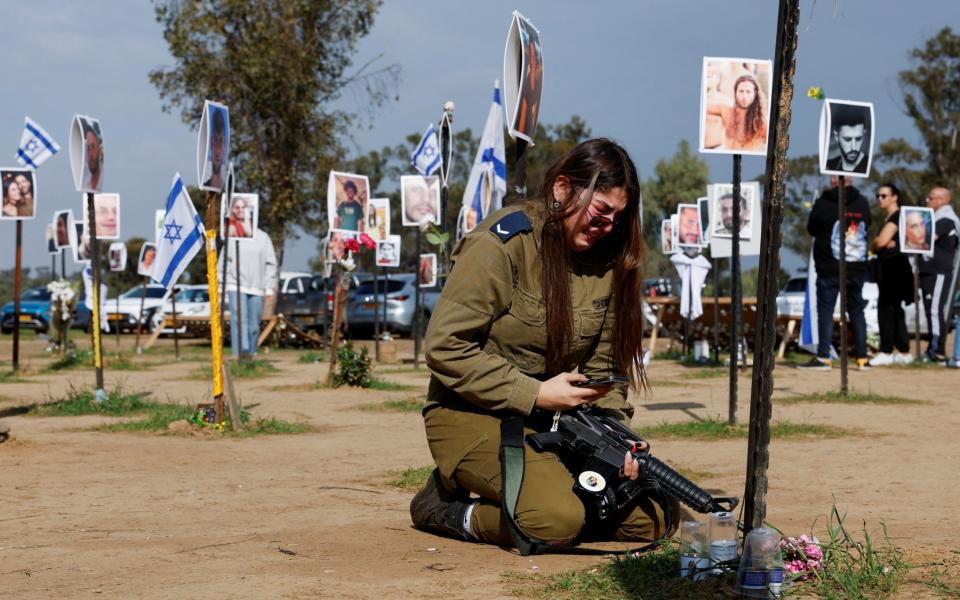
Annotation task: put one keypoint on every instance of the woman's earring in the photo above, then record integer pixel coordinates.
(556, 204)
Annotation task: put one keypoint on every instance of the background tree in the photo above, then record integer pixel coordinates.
(278, 65)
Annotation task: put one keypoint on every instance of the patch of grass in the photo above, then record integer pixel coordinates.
(835, 397)
(121, 362)
(917, 364)
(11, 377)
(72, 360)
(708, 373)
(412, 478)
(715, 429)
(270, 426)
(83, 402)
(310, 356)
(400, 370)
(251, 368)
(408, 405)
(670, 355)
(389, 386)
(158, 417)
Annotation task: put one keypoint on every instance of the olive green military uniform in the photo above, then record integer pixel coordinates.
(486, 350)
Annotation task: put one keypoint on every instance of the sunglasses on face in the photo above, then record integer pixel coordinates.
(599, 221)
(882, 196)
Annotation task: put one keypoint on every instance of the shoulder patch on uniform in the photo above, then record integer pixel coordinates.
(510, 225)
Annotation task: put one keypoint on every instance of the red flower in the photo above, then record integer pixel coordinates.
(367, 241)
(351, 245)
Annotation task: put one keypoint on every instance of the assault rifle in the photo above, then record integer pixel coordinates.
(593, 445)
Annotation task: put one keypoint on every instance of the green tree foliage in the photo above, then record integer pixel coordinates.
(682, 178)
(931, 97)
(278, 65)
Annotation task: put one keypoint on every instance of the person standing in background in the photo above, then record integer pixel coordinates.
(936, 271)
(895, 281)
(258, 278)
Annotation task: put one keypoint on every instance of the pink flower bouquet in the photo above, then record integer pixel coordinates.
(802, 556)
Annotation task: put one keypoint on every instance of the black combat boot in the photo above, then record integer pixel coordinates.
(438, 511)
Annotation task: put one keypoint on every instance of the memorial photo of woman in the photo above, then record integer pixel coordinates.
(735, 105)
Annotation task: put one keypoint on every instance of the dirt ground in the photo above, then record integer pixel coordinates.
(87, 514)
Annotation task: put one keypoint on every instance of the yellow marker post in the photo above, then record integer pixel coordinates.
(216, 334)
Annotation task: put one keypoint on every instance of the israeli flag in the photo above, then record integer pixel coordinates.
(809, 325)
(487, 184)
(36, 145)
(180, 237)
(426, 158)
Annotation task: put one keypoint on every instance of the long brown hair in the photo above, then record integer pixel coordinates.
(754, 124)
(595, 165)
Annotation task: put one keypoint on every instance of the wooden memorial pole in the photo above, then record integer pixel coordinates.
(225, 234)
(216, 335)
(716, 311)
(96, 316)
(735, 299)
(17, 283)
(918, 306)
(339, 303)
(143, 297)
(843, 283)
(237, 311)
(771, 237)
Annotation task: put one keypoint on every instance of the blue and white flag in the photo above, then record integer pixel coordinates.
(180, 238)
(426, 158)
(487, 184)
(809, 325)
(36, 145)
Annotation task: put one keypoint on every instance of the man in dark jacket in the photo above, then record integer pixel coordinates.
(825, 227)
(936, 271)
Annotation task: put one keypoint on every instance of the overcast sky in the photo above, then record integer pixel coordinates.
(630, 69)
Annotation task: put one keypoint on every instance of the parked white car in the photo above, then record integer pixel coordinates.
(126, 312)
(192, 301)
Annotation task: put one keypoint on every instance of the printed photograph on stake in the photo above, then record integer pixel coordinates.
(378, 218)
(735, 105)
(51, 242)
(916, 230)
(81, 249)
(722, 222)
(666, 237)
(388, 252)
(19, 194)
(64, 232)
(148, 253)
(336, 248)
(523, 78)
(689, 235)
(847, 130)
(213, 146)
(117, 255)
(86, 154)
(419, 199)
(347, 195)
(674, 232)
(704, 204)
(427, 270)
(239, 220)
(106, 208)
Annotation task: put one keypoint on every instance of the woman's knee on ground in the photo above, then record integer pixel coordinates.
(556, 520)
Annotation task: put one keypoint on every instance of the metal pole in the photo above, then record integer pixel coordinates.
(843, 283)
(17, 283)
(176, 336)
(716, 311)
(758, 456)
(416, 307)
(116, 318)
(238, 309)
(53, 267)
(96, 316)
(735, 299)
(143, 297)
(63, 263)
(376, 315)
(386, 288)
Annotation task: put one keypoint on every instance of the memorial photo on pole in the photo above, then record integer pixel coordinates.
(388, 252)
(81, 245)
(106, 208)
(378, 218)
(86, 154)
(347, 196)
(51, 241)
(916, 230)
(239, 220)
(847, 131)
(689, 235)
(64, 231)
(666, 237)
(336, 249)
(117, 255)
(735, 105)
(722, 222)
(523, 78)
(675, 232)
(704, 204)
(419, 199)
(19, 194)
(213, 146)
(148, 253)
(427, 270)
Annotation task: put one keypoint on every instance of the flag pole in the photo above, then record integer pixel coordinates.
(143, 297)
(116, 318)
(96, 316)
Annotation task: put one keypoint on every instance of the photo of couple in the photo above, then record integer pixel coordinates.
(19, 194)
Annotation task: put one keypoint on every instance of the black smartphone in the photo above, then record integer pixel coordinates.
(603, 381)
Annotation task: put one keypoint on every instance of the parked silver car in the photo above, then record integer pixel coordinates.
(400, 298)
